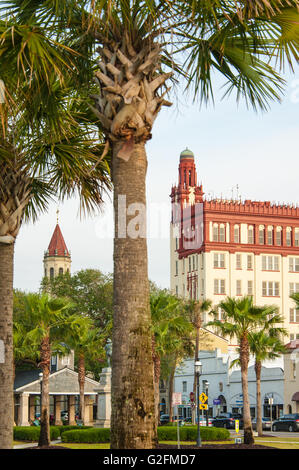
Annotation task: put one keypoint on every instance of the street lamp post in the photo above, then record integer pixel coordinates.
(198, 371)
(206, 386)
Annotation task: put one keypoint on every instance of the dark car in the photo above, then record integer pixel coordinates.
(227, 420)
(286, 423)
(164, 419)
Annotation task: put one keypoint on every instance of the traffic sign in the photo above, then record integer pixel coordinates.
(202, 406)
(203, 397)
(192, 396)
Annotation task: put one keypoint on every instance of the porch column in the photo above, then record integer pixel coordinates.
(57, 410)
(88, 411)
(24, 410)
(31, 408)
(71, 410)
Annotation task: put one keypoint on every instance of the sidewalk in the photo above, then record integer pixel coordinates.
(33, 444)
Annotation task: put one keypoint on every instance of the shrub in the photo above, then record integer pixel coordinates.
(71, 428)
(31, 433)
(189, 433)
(165, 433)
(92, 435)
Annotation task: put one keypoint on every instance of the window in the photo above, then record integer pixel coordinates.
(278, 236)
(176, 243)
(250, 287)
(261, 235)
(219, 286)
(237, 234)
(238, 287)
(176, 290)
(51, 273)
(270, 235)
(60, 270)
(249, 262)
(294, 265)
(193, 260)
(238, 261)
(222, 233)
(294, 315)
(270, 289)
(296, 237)
(189, 264)
(288, 236)
(293, 287)
(183, 265)
(219, 260)
(176, 268)
(215, 233)
(220, 314)
(184, 386)
(270, 263)
(250, 235)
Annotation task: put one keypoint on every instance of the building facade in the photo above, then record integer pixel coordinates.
(224, 384)
(291, 377)
(223, 248)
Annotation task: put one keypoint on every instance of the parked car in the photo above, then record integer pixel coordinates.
(286, 423)
(227, 420)
(164, 419)
(266, 423)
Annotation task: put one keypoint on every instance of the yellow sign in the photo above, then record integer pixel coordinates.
(237, 425)
(203, 407)
(203, 397)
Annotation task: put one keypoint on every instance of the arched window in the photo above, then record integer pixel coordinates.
(51, 273)
(270, 235)
(237, 234)
(215, 233)
(222, 233)
(250, 235)
(261, 235)
(289, 236)
(60, 271)
(278, 236)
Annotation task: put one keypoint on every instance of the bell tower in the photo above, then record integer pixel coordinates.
(187, 191)
(57, 258)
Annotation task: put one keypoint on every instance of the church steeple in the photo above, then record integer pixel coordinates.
(57, 258)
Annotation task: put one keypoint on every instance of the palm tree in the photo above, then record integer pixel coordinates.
(264, 344)
(51, 321)
(39, 158)
(194, 310)
(138, 42)
(170, 327)
(240, 318)
(87, 342)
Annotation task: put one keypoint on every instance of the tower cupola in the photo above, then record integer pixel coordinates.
(57, 258)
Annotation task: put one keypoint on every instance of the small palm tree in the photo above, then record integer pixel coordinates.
(87, 342)
(170, 327)
(50, 321)
(195, 310)
(264, 344)
(240, 318)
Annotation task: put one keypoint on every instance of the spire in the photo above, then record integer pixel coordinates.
(57, 246)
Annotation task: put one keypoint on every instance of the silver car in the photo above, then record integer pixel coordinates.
(266, 424)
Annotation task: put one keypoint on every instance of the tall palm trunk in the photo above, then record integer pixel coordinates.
(6, 345)
(244, 359)
(44, 437)
(133, 407)
(170, 392)
(81, 379)
(259, 424)
(157, 372)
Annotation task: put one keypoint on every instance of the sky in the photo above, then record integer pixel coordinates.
(233, 146)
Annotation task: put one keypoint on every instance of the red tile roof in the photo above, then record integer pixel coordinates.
(57, 246)
(294, 344)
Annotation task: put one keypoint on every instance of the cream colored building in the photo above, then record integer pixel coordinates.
(223, 248)
(291, 378)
